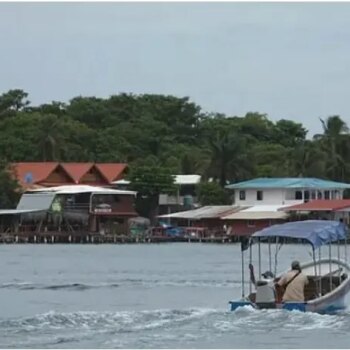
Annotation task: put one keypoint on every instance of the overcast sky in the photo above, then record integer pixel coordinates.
(287, 60)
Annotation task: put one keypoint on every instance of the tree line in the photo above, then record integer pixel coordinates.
(173, 134)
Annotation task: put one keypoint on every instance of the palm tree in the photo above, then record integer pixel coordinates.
(50, 138)
(308, 159)
(228, 157)
(334, 130)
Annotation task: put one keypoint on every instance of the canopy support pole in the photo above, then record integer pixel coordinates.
(330, 267)
(338, 251)
(315, 267)
(250, 262)
(319, 260)
(270, 263)
(243, 292)
(259, 246)
(346, 249)
(276, 252)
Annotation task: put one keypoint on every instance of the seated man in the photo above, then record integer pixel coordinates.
(293, 282)
(265, 288)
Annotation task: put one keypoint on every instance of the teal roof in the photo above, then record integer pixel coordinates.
(288, 182)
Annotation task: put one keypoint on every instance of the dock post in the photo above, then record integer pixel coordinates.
(35, 239)
(52, 239)
(92, 239)
(69, 238)
(16, 239)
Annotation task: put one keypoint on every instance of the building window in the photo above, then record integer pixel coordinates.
(313, 194)
(326, 194)
(259, 195)
(319, 195)
(251, 223)
(242, 195)
(307, 196)
(298, 195)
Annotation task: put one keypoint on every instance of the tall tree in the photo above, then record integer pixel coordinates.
(9, 187)
(229, 159)
(150, 181)
(334, 129)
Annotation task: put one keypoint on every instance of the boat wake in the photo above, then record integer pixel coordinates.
(159, 328)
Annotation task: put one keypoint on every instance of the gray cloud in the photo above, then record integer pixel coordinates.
(286, 60)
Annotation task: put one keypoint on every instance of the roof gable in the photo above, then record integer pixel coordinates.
(33, 172)
(111, 171)
(76, 170)
(30, 173)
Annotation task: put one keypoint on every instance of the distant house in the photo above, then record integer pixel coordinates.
(71, 208)
(282, 191)
(268, 199)
(48, 174)
(185, 198)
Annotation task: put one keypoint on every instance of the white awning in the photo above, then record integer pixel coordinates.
(258, 215)
(74, 189)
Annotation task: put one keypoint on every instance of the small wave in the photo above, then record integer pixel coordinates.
(76, 286)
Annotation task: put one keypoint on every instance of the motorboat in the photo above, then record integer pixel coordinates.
(328, 276)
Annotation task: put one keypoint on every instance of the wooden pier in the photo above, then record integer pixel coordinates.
(93, 238)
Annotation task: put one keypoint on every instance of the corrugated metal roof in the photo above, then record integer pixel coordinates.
(179, 180)
(288, 183)
(256, 215)
(321, 205)
(206, 212)
(37, 201)
(258, 212)
(265, 208)
(187, 179)
(71, 189)
(16, 211)
(121, 182)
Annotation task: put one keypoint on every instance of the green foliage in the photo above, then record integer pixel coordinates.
(151, 180)
(211, 193)
(169, 132)
(9, 188)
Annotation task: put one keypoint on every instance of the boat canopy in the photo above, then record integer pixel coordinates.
(316, 232)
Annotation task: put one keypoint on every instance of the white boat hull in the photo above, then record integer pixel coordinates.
(331, 302)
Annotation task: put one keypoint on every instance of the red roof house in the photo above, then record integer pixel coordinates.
(48, 174)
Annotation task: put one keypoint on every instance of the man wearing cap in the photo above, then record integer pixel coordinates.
(294, 282)
(268, 276)
(265, 288)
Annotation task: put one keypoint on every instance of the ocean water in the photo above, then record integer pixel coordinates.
(146, 296)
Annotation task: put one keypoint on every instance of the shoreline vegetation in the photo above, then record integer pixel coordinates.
(158, 135)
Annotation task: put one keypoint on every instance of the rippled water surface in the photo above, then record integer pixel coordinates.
(144, 296)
